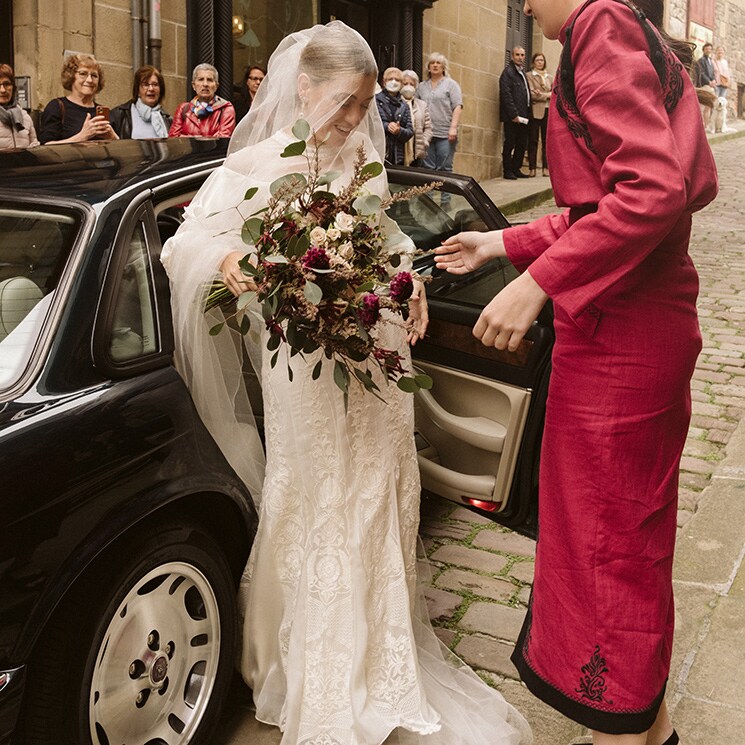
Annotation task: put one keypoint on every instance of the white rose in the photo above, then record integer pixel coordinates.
(346, 250)
(333, 234)
(344, 222)
(318, 236)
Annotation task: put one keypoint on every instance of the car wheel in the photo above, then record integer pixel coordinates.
(142, 651)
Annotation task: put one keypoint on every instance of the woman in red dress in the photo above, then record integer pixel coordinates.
(630, 162)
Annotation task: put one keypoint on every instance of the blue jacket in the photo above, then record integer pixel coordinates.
(395, 109)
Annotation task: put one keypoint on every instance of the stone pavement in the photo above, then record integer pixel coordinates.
(482, 572)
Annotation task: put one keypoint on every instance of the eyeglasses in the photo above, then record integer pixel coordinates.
(149, 85)
(3, 84)
(83, 75)
(255, 80)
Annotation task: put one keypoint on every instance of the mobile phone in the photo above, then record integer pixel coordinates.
(102, 111)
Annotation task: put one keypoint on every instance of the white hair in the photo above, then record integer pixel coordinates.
(442, 59)
(410, 74)
(209, 68)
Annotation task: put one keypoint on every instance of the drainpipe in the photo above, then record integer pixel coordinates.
(136, 34)
(154, 41)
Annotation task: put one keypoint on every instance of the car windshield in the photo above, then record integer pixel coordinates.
(34, 244)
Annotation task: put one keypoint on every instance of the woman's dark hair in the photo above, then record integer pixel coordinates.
(143, 74)
(249, 70)
(535, 57)
(655, 12)
(6, 71)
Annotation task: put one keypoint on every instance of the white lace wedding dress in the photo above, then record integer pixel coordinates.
(337, 646)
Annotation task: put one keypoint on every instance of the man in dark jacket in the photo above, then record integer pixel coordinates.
(396, 116)
(514, 111)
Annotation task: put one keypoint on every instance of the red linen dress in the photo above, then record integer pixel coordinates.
(597, 640)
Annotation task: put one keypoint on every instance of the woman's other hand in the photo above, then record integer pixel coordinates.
(418, 313)
(232, 275)
(466, 252)
(505, 320)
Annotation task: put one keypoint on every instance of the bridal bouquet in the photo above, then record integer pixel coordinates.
(319, 266)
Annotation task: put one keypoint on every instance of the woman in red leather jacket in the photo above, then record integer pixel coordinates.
(207, 114)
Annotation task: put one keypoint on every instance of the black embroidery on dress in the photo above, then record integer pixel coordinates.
(592, 684)
(668, 67)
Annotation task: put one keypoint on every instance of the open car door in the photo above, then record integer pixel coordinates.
(479, 428)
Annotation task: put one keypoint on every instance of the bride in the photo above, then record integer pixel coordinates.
(337, 647)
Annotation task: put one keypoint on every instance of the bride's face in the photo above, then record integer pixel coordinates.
(338, 106)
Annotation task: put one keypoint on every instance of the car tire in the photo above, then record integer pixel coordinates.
(142, 650)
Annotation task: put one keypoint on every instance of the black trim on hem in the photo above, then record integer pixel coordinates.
(611, 723)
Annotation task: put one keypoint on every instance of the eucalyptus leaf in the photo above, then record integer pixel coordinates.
(301, 129)
(424, 381)
(244, 299)
(274, 358)
(408, 385)
(251, 231)
(369, 204)
(373, 169)
(297, 178)
(215, 330)
(327, 178)
(246, 266)
(276, 259)
(294, 148)
(274, 341)
(341, 376)
(365, 287)
(245, 325)
(313, 293)
(289, 373)
(395, 260)
(251, 193)
(317, 370)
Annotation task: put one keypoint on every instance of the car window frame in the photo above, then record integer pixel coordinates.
(38, 356)
(139, 212)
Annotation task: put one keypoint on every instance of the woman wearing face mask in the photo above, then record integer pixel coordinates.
(396, 116)
(336, 644)
(16, 128)
(416, 148)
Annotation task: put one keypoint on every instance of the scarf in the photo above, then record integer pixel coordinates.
(152, 114)
(202, 109)
(12, 116)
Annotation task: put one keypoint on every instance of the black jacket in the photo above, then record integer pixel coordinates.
(704, 71)
(395, 109)
(514, 99)
(121, 120)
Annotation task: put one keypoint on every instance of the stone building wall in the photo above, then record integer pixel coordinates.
(45, 29)
(472, 35)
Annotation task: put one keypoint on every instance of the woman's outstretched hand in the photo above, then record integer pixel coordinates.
(505, 320)
(232, 275)
(418, 319)
(465, 252)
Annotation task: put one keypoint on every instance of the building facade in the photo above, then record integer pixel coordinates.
(475, 35)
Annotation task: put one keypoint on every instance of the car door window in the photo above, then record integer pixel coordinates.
(134, 329)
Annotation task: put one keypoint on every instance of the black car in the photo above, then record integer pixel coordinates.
(124, 530)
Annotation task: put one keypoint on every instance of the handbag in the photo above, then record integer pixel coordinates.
(724, 81)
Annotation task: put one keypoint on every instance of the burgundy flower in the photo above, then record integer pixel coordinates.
(401, 287)
(316, 258)
(370, 310)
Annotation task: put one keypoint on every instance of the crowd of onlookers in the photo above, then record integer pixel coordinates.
(420, 119)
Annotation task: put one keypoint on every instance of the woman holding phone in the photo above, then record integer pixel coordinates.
(77, 117)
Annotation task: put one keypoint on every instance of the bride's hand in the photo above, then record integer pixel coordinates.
(418, 313)
(232, 275)
(465, 252)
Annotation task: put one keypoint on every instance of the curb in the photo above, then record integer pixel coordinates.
(527, 202)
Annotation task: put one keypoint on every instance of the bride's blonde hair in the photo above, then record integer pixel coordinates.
(332, 53)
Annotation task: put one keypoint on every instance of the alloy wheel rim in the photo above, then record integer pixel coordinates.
(157, 662)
